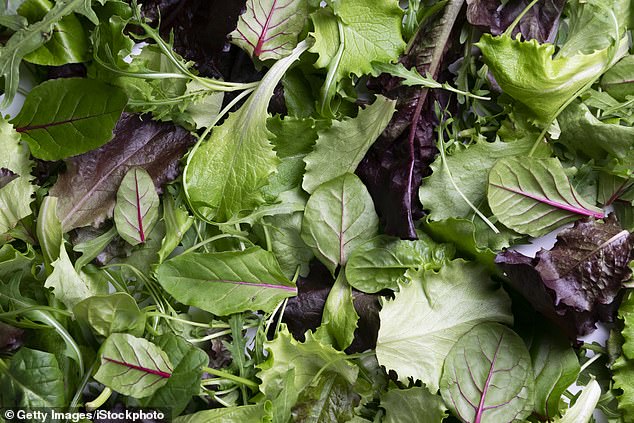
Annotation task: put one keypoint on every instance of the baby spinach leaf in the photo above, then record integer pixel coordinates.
(15, 196)
(348, 140)
(31, 379)
(487, 376)
(184, 383)
(339, 319)
(430, 313)
(534, 196)
(224, 175)
(112, 313)
(339, 216)
(87, 190)
(227, 282)
(60, 110)
(133, 366)
(381, 262)
(414, 404)
(268, 29)
(136, 209)
(68, 41)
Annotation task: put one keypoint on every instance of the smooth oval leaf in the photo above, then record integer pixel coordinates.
(133, 366)
(268, 29)
(339, 318)
(534, 196)
(136, 210)
(112, 313)
(487, 376)
(69, 116)
(227, 282)
(339, 216)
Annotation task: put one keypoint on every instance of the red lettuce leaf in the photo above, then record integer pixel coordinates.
(578, 282)
(87, 190)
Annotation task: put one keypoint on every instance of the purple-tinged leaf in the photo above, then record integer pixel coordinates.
(87, 190)
(133, 366)
(11, 338)
(579, 280)
(534, 196)
(6, 176)
(268, 29)
(227, 282)
(488, 377)
(136, 210)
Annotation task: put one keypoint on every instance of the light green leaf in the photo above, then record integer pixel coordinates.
(287, 244)
(224, 175)
(528, 72)
(132, 366)
(555, 368)
(339, 216)
(430, 313)
(347, 140)
(15, 196)
(339, 318)
(204, 106)
(468, 167)
(49, 231)
(68, 41)
(534, 196)
(177, 222)
(112, 313)
(244, 413)
(69, 286)
(227, 282)
(69, 116)
(136, 210)
(581, 411)
(12, 260)
(414, 404)
(268, 29)
(381, 262)
(487, 376)
(349, 38)
(29, 39)
(31, 379)
(184, 383)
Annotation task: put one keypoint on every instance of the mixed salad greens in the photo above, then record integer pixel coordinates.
(294, 210)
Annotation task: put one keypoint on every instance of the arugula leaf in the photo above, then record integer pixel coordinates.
(227, 282)
(177, 222)
(287, 244)
(339, 216)
(224, 175)
(29, 39)
(113, 313)
(87, 190)
(136, 210)
(68, 41)
(348, 140)
(339, 319)
(133, 366)
(32, 379)
(430, 313)
(90, 249)
(413, 404)
(15, 196)
(534, 196)
(583, 408)
(268, 29)
(59, 110)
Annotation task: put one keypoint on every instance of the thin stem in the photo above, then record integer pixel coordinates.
(589, 362)
(232, 377)
(215, 238)
(519, 17)
(178, 319)
(35, 308)
(210, 337)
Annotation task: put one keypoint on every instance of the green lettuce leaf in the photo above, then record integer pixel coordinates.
(414, 404)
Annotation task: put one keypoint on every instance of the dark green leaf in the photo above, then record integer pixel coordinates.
(329, 399)
(414, 404)
(112, 313)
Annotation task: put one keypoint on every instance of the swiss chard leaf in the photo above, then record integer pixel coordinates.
(339, 216)
(487, 376)
(87, 190)
(534, 196)
(227, 282)
(136, 209)
(430, 313)
(133, 366)
(112, 313)
(60, 110)
(577, 282)
(224, 175)
(268, 29)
